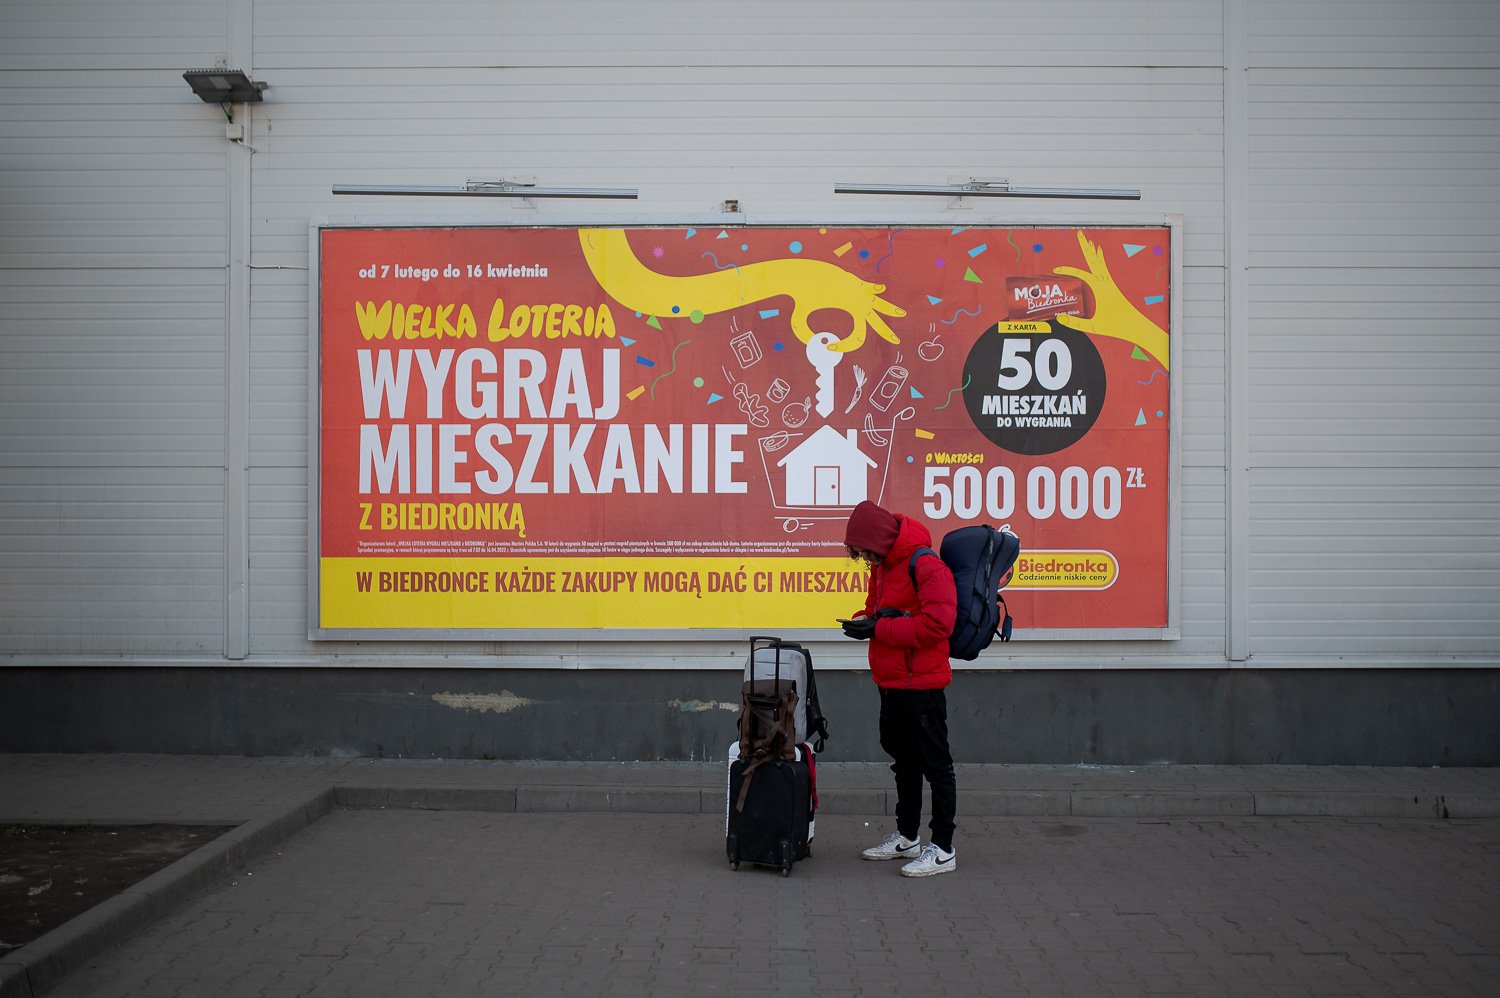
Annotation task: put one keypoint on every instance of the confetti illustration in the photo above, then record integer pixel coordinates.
(673, 371)
(891, 242)
(963, 311)
(952, 392)
(717, 264)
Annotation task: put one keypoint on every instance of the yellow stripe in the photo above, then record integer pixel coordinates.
(585, 593)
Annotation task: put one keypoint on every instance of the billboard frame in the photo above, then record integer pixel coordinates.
(1172, 222)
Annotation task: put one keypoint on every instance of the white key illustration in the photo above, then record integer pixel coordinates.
(823, 361)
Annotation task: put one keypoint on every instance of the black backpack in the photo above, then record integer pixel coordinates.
(981, 558)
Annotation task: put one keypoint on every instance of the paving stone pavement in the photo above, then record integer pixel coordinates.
(431, 877)
(454, 903)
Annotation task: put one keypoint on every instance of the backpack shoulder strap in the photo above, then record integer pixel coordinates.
(817, 724)
(911, 565)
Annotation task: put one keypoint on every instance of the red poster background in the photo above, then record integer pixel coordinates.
(744, 367)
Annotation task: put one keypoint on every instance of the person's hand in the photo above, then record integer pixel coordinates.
(860, 628)
(811, 284)
(1114, 315)
(831, 287)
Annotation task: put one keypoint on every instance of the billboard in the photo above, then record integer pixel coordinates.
(660, 431)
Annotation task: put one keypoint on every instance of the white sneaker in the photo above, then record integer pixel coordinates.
(931, 862)
(895, 846)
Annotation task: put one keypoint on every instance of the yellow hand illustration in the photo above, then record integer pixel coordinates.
(1114, 315)
(811, 284)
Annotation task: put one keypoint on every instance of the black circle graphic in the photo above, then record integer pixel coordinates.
(1034, 392)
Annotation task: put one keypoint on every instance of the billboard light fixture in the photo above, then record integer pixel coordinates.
(994, 189)
(488, 189)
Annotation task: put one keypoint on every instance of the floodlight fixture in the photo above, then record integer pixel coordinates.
(489, 189)
(224, 86)
(993, 189)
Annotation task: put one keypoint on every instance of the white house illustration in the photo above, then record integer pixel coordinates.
(827, 469)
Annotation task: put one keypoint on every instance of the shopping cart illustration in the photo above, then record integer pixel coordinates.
(824, 474)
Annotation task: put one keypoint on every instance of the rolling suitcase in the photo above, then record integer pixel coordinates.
(770, 794)
(774, 827)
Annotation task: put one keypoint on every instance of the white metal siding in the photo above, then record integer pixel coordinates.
(1375, 256)
(1372, 158)
(112, 287)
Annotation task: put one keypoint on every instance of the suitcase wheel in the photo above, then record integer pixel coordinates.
(786, 858)
(733, 848)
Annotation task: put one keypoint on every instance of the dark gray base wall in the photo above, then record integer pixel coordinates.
(1376, 717)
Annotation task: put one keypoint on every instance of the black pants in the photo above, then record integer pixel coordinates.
(914, 732)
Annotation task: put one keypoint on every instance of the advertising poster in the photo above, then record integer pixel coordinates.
(565, 432)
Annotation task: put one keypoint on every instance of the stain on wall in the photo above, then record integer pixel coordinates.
(699, 706)
(501, 703)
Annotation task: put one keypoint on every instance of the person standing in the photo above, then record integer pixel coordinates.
(907, 617)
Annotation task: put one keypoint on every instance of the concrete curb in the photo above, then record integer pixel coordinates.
(976, 803)
(1301, 803)
(1468, 806)
(42, 963)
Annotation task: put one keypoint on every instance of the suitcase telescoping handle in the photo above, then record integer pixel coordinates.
(771, 642)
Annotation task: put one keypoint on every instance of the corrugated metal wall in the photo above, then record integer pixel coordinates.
(112, 333)
(1374, 191)
(1337, 165)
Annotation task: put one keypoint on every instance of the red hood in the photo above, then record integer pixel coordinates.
(910, 535)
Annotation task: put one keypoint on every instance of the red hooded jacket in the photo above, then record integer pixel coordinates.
(911, 652)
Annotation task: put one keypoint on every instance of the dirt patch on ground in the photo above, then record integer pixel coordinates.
(51, 873)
